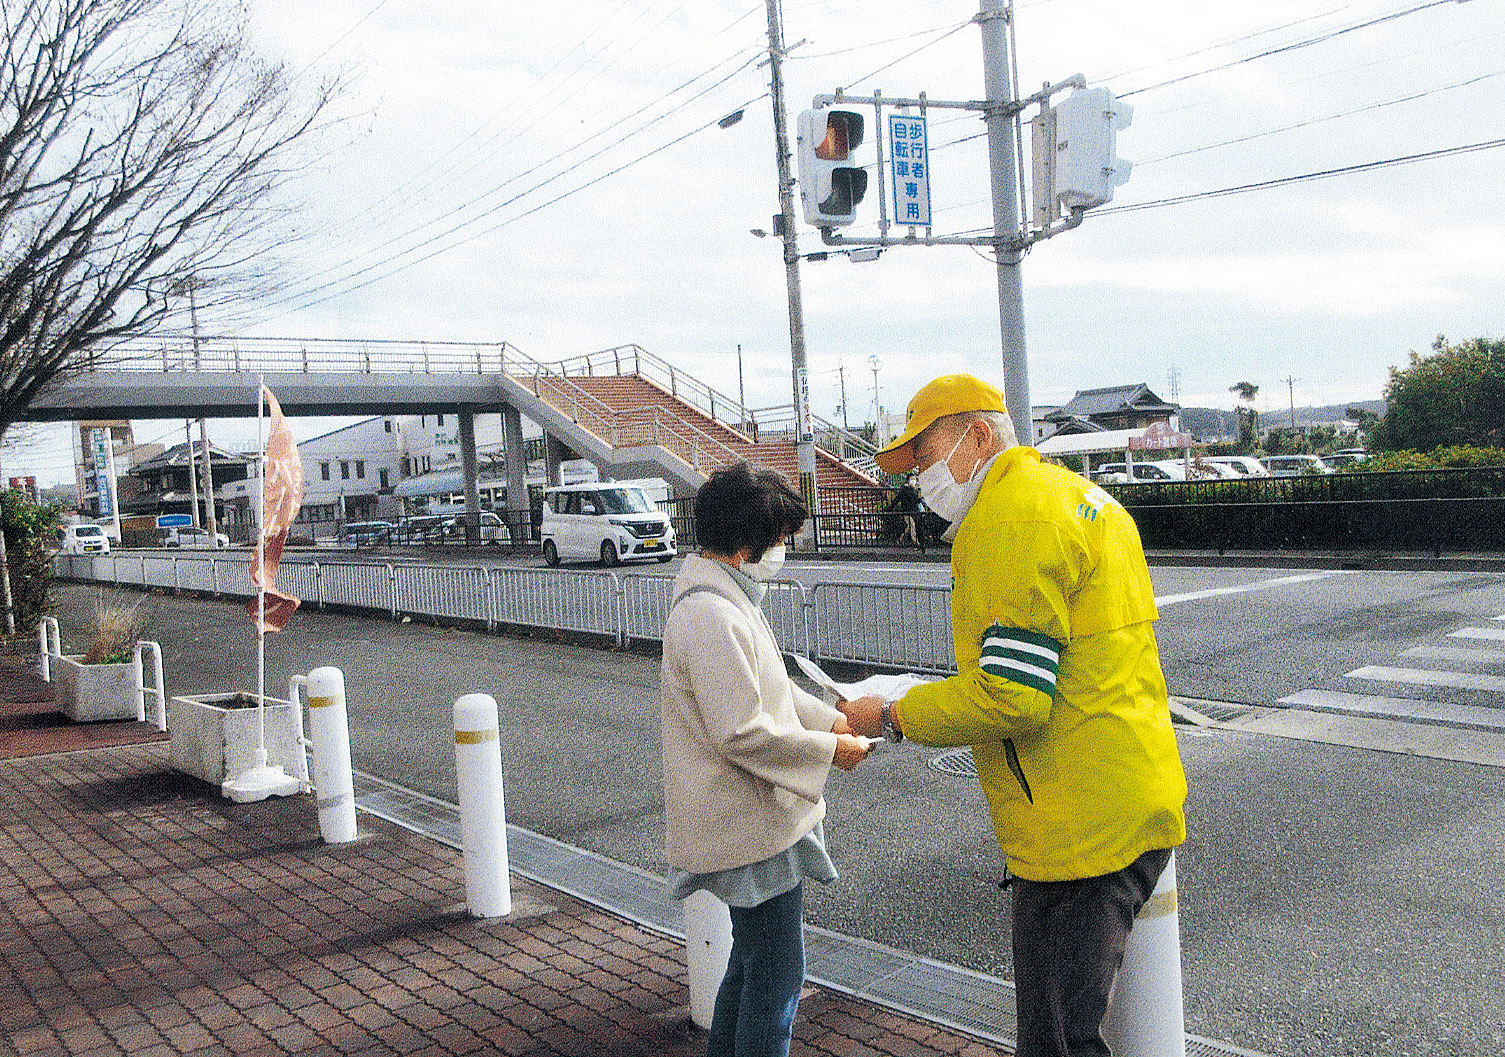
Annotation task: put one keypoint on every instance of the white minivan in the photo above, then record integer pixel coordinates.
(83, 539)
(604, 522)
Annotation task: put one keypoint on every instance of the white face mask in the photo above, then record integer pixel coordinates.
(943, 493)
(766, 567)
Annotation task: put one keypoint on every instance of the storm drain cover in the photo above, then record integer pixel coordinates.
(957, 763)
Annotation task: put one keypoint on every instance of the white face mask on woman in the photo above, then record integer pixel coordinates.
(766, 567)
(943, 493)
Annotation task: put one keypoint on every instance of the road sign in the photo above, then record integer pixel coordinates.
(910, 152)
(174, 520)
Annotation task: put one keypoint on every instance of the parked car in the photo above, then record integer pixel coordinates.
(191, 536)
(1294, 465)
(365, 534)
(83, 539)
(491, 527)
(607, 522)
(1117, 472)
(1342, 461)
(421, 528)
(1241, 465)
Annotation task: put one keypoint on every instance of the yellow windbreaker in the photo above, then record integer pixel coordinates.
(1059, 689)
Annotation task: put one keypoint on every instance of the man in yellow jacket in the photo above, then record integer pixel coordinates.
(1059, 693)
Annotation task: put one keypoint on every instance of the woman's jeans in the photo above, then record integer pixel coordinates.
(754, 1013)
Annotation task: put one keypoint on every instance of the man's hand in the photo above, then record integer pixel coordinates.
(850, 751)
(864, 715)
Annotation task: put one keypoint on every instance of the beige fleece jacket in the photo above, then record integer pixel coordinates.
(746, 752)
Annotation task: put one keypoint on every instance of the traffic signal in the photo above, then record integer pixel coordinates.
(1087, 167)
(831, 180)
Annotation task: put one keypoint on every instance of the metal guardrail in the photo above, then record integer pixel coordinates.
(308, 356)
(881, 626)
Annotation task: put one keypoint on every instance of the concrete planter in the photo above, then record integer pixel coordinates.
(90, 692)
(214, 736)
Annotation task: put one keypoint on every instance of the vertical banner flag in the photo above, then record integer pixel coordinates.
(282, 496)
(910, 150)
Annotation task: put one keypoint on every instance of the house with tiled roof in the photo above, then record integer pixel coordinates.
(1113, 408)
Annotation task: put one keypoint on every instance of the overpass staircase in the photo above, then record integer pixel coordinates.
(636, 413)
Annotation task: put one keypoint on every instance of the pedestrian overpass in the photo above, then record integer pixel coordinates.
(624, 409)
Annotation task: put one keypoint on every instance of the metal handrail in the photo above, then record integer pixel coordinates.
(709, 401)
(697, 448)
(307, 356)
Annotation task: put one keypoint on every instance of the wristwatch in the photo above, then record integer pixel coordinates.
(891, 732)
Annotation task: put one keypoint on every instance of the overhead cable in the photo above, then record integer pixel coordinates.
(1345, 170)
(1296, 45)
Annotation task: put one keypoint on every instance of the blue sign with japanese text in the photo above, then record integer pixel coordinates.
(910, 167)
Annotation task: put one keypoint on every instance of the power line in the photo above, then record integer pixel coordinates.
(929, 44)
(872, 44)
(1283, 181)
(496, 227)
(1221, 44)
(396, 255)
(1310, 41)
(1325, 118)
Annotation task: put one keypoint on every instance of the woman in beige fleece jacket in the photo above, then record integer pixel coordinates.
(746, 757)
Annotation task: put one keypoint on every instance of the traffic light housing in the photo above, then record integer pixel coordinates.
(832, 182)
(1087, 166)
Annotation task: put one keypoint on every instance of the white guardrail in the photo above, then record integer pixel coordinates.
(878, 625)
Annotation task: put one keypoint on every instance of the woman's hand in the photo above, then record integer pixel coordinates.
(851, 749)
(864, 715)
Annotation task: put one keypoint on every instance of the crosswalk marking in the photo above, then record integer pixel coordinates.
(1461, 654)
(1495, 634)
(1404, 708)
(1424, 677)
(1258, 585)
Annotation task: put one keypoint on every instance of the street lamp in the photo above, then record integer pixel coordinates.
(875, 363)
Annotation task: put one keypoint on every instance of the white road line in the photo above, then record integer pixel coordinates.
(1495, 634)
(1421, 677)
(1398, 708)
(1456, 653)
(1258, 585)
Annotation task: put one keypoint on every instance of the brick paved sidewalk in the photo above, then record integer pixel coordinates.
(30, 722)
(140, 913)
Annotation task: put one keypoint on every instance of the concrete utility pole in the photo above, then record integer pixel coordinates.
(804, 431)
(996, 18)
(211, 521)
(193, 476)
(1291, 392)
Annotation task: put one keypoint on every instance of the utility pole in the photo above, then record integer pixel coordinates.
(841, 372)
(193, 476)
(804, 430)
(1291, 390)
(996, 18)
(741, 390)
(211, 522)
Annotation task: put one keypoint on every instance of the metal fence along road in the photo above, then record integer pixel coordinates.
(896, 627)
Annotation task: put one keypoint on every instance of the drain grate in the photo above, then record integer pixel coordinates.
(957, 763)
(1220, 711)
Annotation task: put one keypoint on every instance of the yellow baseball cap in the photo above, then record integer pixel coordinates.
(949, 395)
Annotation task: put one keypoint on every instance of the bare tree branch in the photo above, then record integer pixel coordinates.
(141, 148)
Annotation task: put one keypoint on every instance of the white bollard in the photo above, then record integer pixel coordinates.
(483, 812)
(1145, 1016)
(708, 943)
(49, 645)
(329, 732)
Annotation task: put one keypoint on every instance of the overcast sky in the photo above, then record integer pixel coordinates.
(426, 215)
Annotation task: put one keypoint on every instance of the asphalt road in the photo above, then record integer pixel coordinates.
(1334, 899)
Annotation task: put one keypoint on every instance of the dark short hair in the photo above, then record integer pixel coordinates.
(740, 506)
